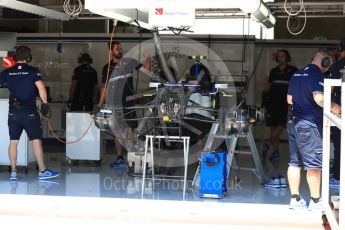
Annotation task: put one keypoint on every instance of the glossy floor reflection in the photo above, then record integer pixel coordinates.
(90, 180)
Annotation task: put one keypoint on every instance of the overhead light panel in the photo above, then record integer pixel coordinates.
(272, 20)
(33, 9)
(264, 16)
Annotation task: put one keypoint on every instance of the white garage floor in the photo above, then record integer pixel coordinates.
(88, 180)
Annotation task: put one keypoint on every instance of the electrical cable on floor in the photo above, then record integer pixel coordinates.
(67, 142)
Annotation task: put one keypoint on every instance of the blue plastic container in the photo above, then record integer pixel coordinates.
(213, 174)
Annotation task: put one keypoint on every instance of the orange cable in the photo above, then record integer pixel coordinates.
(108, 69)
(67, 142)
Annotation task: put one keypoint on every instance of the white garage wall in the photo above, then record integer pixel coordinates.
(57, 68)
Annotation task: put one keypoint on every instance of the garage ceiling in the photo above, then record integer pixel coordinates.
(315, 10)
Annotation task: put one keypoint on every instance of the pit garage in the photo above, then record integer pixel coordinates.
(165, 112)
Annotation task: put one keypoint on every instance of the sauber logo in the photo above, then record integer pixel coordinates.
(159, 11)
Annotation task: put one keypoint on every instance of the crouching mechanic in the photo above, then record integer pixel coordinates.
(305, 94)
(22, 81)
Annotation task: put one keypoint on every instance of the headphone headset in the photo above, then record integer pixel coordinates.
(84, 57)
(326, 62)
(287, 55)
(27, 50)
(29, 57)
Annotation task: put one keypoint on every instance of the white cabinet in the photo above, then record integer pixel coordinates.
(24, 149)
(89, 147)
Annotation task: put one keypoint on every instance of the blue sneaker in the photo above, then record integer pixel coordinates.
(47, 174)
(282, 181)
(273, 182)
(13, 176)
(334, 183)
(119, 162)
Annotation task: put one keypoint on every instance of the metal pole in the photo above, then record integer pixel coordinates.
(342, 159)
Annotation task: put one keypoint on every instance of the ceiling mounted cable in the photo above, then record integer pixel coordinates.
(304, 24)
(73, 7)
(293, 18)
(294, 23)
(289, 12)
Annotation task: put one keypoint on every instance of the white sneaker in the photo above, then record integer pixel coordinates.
(300, 204)
(315, 206)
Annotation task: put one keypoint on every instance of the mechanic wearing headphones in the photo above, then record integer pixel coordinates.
(22, 81)
(305, 94)
(84, 85)
(274, 100)
(334, 181)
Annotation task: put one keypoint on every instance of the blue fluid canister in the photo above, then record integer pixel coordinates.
(213, 174)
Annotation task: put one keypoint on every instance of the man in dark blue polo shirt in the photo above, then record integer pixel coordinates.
(22, 81)
(305, 94)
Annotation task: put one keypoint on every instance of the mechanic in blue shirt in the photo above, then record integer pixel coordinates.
(22, 81)
(334, 181)
(305, 94)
